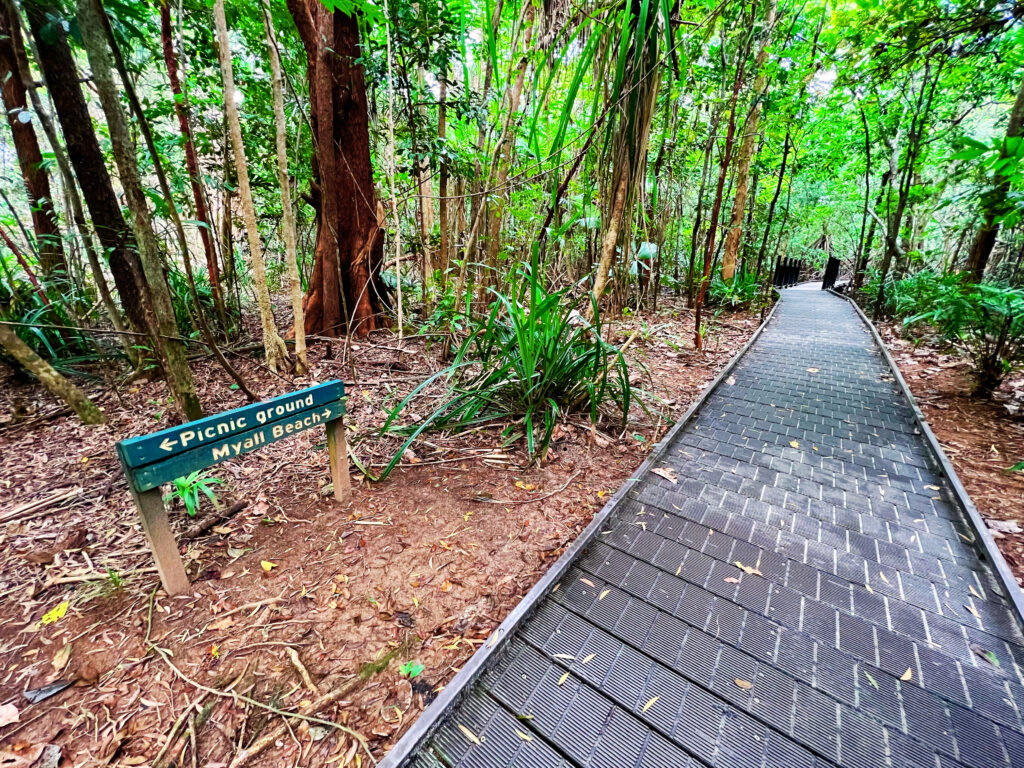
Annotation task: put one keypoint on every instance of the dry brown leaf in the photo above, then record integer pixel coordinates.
(908, 675)
(974, 592)
(747, 569)
(61, 658)
(731, 580)
(469, 734)
(224, 623)
(974, 611)
(588, 582)
(8, 714)
(746, 685)
(667, 473)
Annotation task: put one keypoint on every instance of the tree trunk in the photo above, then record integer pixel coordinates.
(59, 386)
(497, 180)
(181, 109)
(62, 82)
(444, 255)
(994, 204)
(345, 291)
(273, 345)
(176, 370)
(716, 206)
(30, 159)
(610, 239)
(746, 154)
(288, 216)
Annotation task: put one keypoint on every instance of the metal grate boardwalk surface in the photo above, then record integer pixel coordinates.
(807, 593)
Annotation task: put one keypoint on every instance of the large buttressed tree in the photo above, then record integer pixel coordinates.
(345, 290)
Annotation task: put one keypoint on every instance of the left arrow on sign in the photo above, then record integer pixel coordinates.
(167, 444)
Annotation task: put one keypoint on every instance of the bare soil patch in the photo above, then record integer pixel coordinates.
(299, 604)
(983, 438)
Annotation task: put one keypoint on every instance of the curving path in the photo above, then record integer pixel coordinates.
(807, 593)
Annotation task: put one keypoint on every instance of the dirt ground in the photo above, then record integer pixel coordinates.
(983, 438)
(298, 604)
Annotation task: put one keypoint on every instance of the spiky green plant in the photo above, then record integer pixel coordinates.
(531, 363)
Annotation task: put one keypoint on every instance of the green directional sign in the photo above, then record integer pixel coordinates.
(223, 428)
(152, 460)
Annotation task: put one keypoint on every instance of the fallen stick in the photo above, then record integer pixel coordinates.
(39, 504)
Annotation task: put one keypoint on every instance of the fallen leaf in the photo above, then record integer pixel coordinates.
(794, 444)
(469, 734)
(882, 576)
(746, 685)
(8, 714)
(908, 675)
(731, 580)
(731, 380)
(563, 678)
(985, 654)
(588, 657)
(588, 582)
(223, 530)
(871, 680)
(267, 566)
(974, 592)
(563, 656)
(650, 703)
(61, 658)
(604, 594)
(523, 736)
(932, 487)
(747, 568)
(667, 473)
(812, 370)
(974, 611)
(224, 623)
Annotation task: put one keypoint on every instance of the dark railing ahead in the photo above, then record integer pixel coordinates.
(828, 282)
(787, 273)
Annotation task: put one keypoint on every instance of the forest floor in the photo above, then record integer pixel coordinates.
(983, 438)
(299, 604)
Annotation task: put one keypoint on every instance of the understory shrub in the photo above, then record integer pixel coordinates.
(986, 321)
(738, 292)
(530, 362)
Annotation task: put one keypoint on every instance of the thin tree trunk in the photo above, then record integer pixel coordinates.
(994, 204)
(444, 255)
(288, 216)
(176, 370)
(716, 207)
(746, 153)
(610, 239)
(30, 159)
(181, 109)
(771, 208)
(273, 345)
(498, 178)
(84, 408)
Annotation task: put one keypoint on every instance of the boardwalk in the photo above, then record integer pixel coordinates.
(806, 593)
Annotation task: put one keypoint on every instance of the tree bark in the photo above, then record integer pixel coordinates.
(746, 153)
(716, 206)
(26, 146)
(181, 109)
(59, 386)
(273, 345)
(345, 291)
(58, 67)
(175, 364)
(288, 215)
(444, 255)
(994, 203)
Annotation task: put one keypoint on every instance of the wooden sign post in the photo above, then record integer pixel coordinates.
(152, 460)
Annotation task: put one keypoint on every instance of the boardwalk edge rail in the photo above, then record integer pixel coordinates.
(990, 550)
(430, 718)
